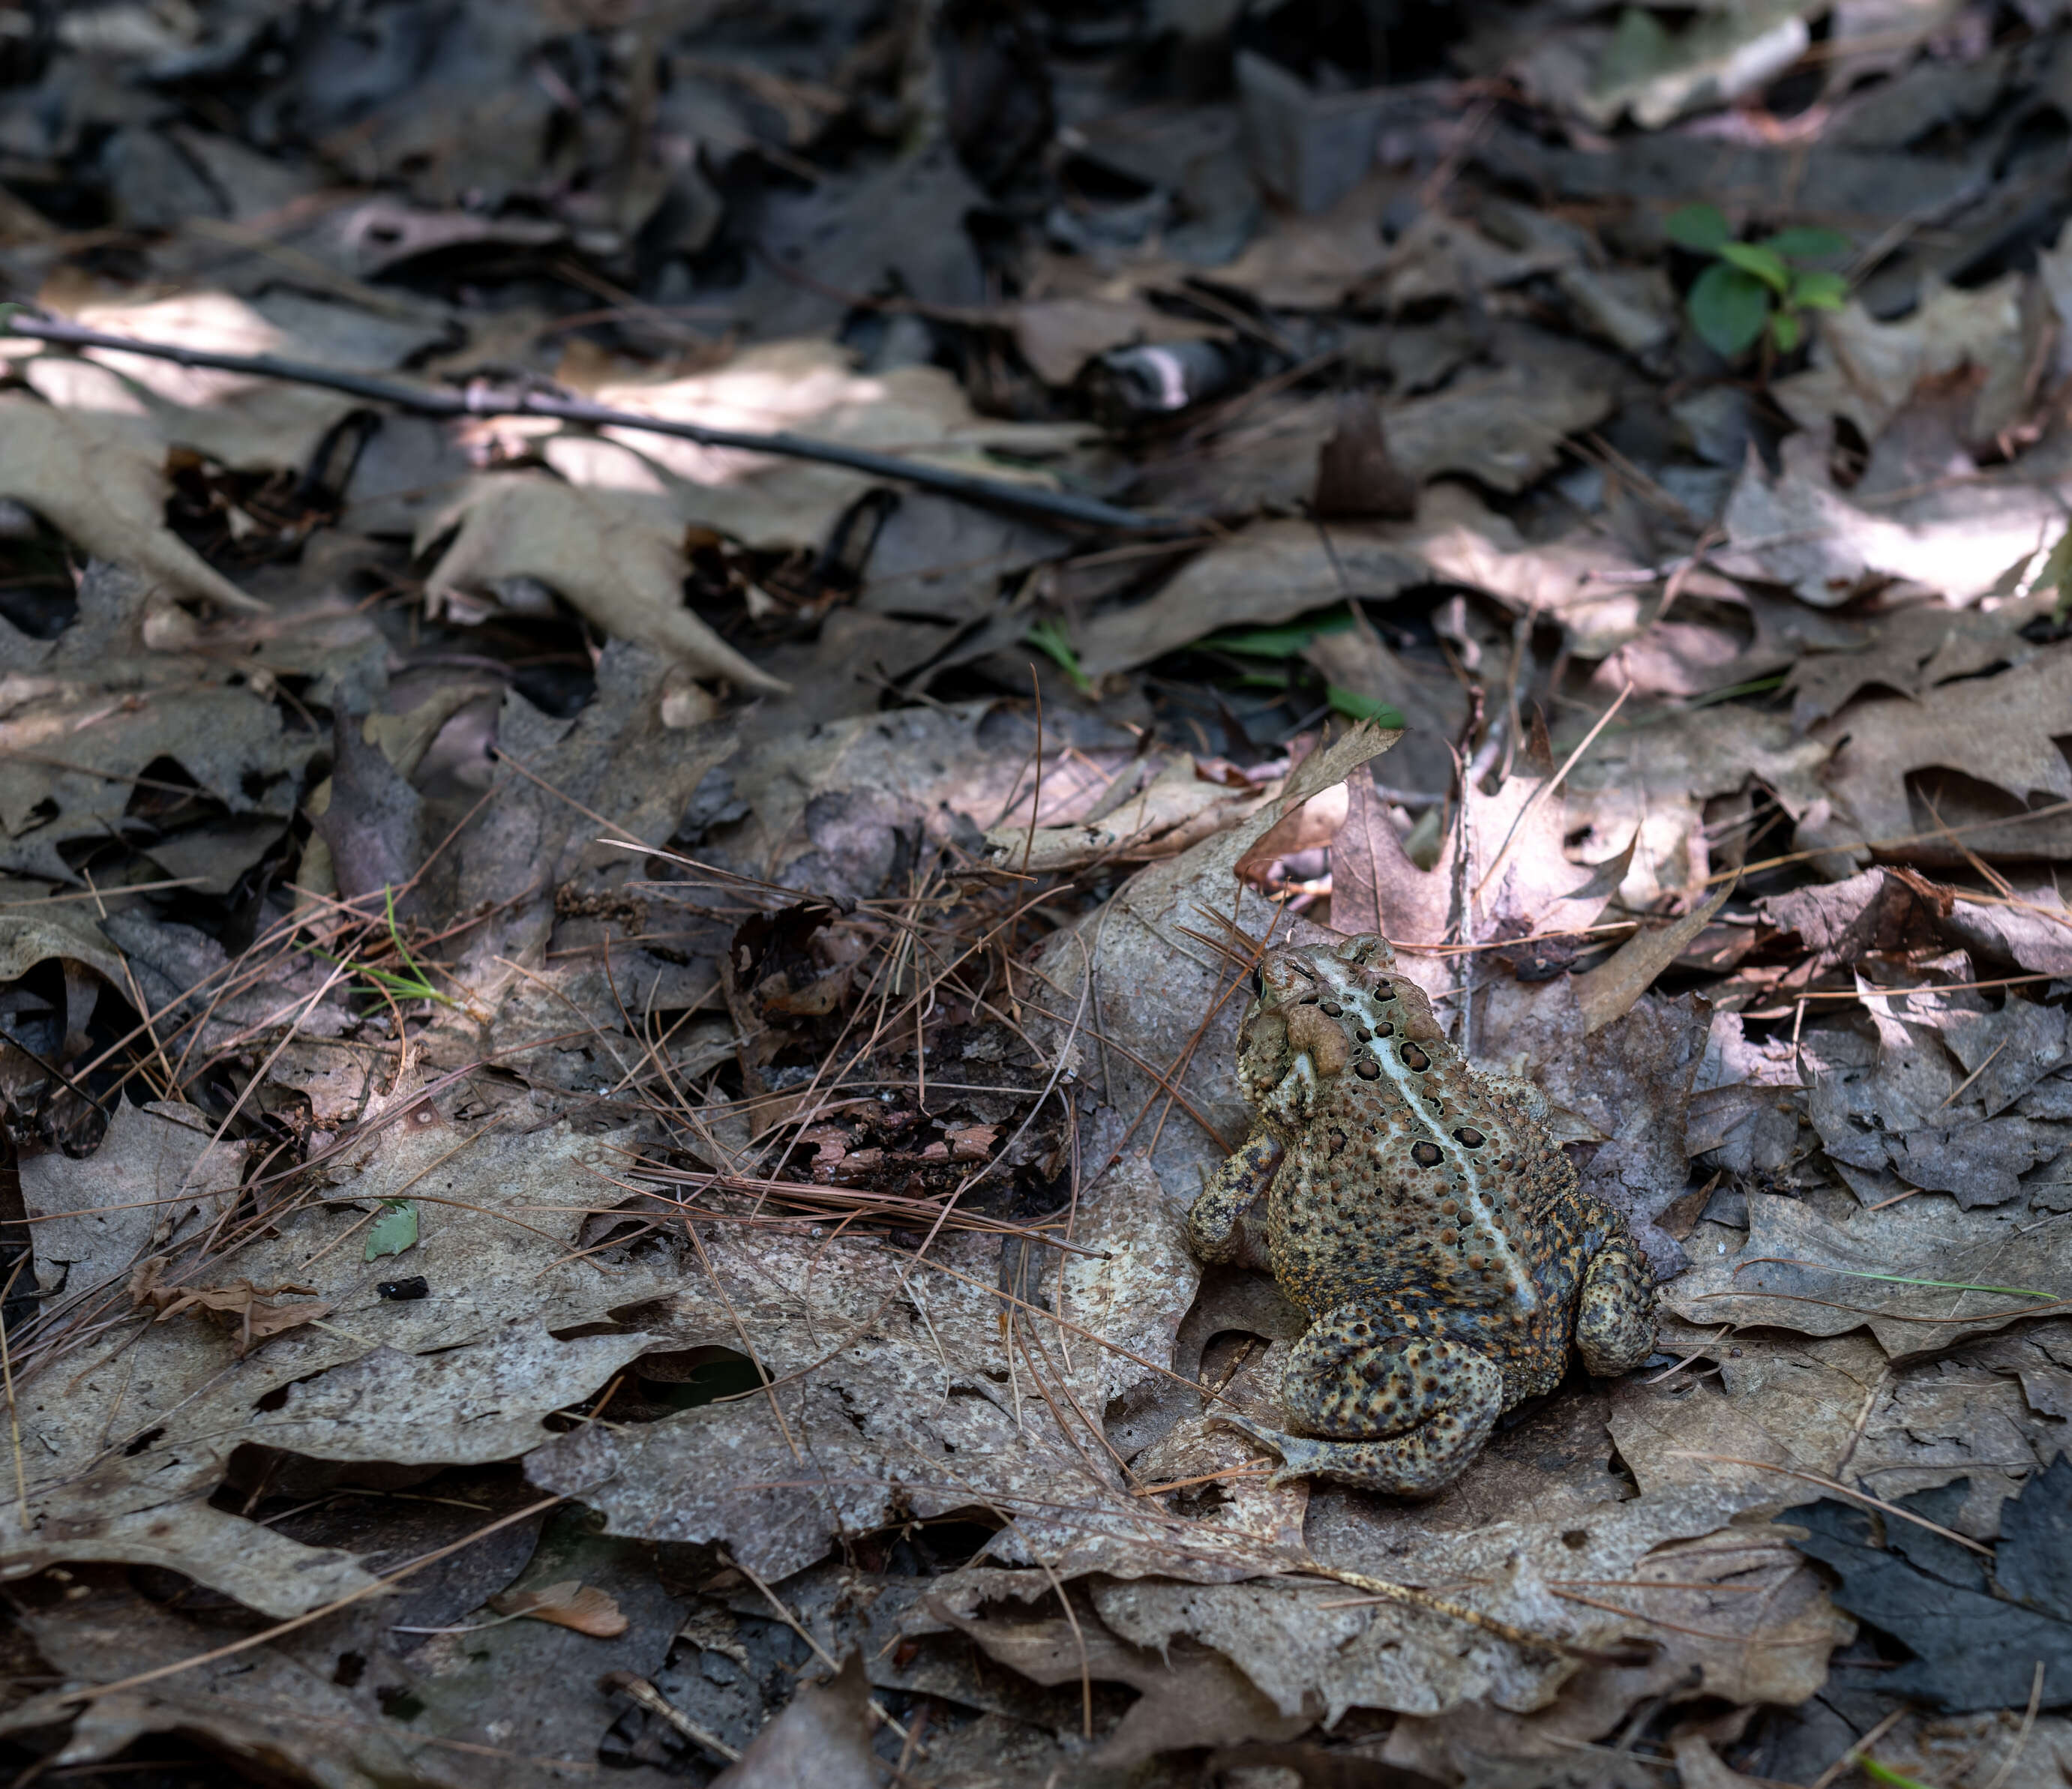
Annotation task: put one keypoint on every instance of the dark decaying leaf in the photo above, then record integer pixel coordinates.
(1977, 1628)
(821, 1741)
(374, 821)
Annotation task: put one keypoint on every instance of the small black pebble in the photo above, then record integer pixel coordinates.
(402, 1291)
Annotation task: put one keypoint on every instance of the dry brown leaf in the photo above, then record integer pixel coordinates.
(1177, 808)
(1269, 572)
(248, 1310)
(245, 422)
(1816, 1276)
(1356, 474)
(1429, 699)
(1519, 879)
(571, 1604)
(466, 1375)
(1058, 336)
(1909, 652)
(1190, 1696)
(1998, 731)
(1649, 782)
(70, 743)
(618, 555)
(99, 478)
(1609, 990)
(1440, 256)
(1868, 371)
(1307, 262)
(821, 1741)
(156, 1172)
(1957, 538)
(811, 386)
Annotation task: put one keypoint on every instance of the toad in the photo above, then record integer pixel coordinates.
(1419, 1213)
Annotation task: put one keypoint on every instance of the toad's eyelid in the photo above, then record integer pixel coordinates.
(1307, 974)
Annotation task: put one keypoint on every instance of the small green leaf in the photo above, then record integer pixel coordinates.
(1727, 308)
(1702, 227)
(1276, 642)
(1048, 638)
(1786, 328)
(1806, 242)
(1363, 707)
(1818, 291)
(395, 1230)
(1767, 267)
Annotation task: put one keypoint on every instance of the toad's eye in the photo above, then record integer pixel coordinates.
(1258, 984)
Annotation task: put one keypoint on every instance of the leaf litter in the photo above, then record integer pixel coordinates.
(607, 1038)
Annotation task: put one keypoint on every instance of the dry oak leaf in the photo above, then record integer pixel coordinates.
(571, 1604)
(248, 1308)
(247, 422)
(1958, 539)
(1179, 806)
(618, 555)
(809, 386)
(99, 478)
(1867, 371)
(1998, 730)
(1905, 1273)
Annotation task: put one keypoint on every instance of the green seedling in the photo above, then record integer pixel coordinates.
(1290, 643)
(1752, 286)
(1050, 639)
(1884, 1773)
(412, 985)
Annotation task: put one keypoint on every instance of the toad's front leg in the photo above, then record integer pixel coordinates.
(1401, 1411)
(1214, 1230)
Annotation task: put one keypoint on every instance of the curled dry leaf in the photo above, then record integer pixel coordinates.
(247, 1310)
(1609, 990)
(570, 1604)
(1183, 803)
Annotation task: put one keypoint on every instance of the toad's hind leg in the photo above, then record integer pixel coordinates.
(1615, 1316)
(1400, 1410)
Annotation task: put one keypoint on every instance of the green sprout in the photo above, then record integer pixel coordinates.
(1291, 643)
(1752, 286)
(412, 986)
(1052, 640)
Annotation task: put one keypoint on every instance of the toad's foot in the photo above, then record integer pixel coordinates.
(1391, 1409)
(1406, 1466)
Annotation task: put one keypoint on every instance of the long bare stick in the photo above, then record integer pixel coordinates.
(431, 400)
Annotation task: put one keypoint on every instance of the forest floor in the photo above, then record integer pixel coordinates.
(608, 1022)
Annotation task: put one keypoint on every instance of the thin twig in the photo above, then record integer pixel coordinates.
(482, 401)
